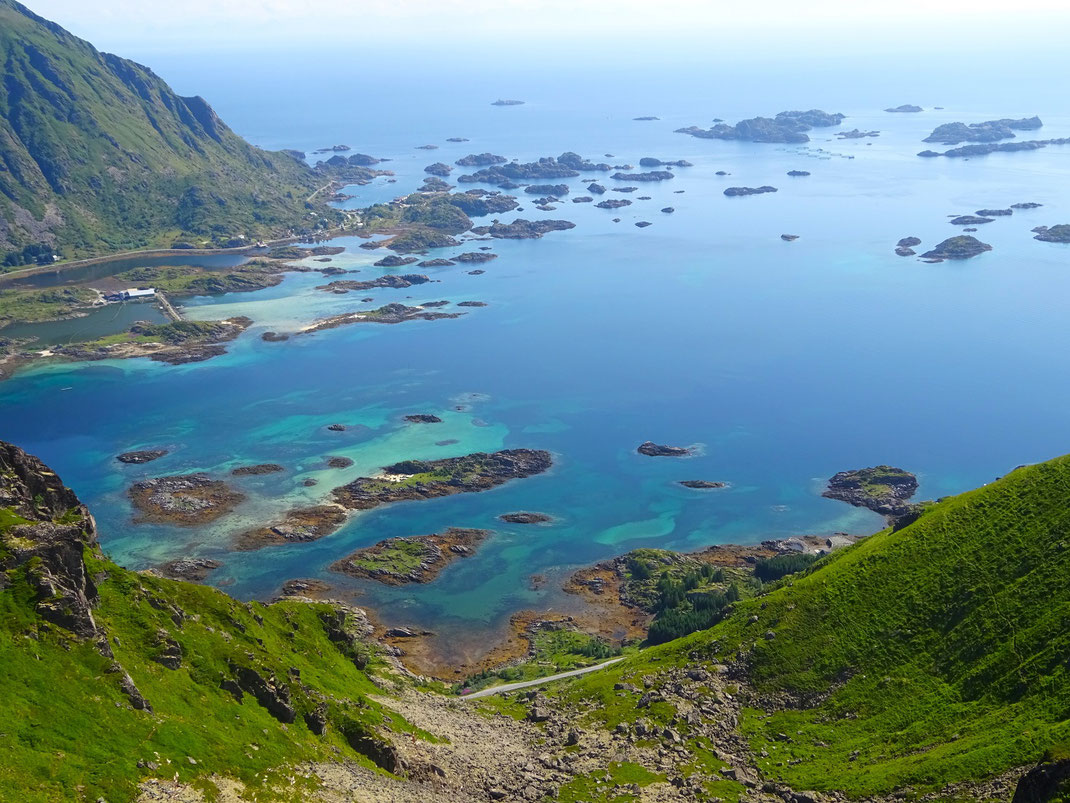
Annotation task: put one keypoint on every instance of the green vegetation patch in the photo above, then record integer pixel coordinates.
(35, 306)
(618, 783)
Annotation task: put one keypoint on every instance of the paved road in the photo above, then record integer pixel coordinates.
(514, 686)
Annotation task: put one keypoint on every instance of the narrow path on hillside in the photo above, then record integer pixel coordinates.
(538, 682)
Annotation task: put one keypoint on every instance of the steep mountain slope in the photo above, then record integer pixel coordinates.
(97, 153)
(917, 659)
(111, 676)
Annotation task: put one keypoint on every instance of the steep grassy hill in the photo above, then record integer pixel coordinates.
(109, 676)
(98, 154)
(915, 659)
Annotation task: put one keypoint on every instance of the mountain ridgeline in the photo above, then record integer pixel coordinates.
(98, 154)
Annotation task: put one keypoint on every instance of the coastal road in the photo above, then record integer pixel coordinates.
(514, 686)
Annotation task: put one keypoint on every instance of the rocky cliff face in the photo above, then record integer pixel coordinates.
(47, 533)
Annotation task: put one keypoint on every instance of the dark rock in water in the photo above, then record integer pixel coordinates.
(439, 169)
(624, 189)
(427, 147)
(456, 139)
(797, 173)
(613, 203)
(785, 127)
(144, 456)
(651, 449)
(309, 483)
(547, 189)
(906, 108)
(481, 160)
(970, 230)
(477, 272)
(274, 337)
(962, 247)
(434, 478)
(501, 102)
(1053, 234)
(904, 251)
(1027, 205)
(423, 418)
(909, 242)
(668, 210)
(436, 263)
(882, 489)
(857, 134)
(447, 442)
(646, 119)
(253, 471)
(929, 154)
(472, 304)
(305, 587)
(643, 198)
(596, 188)
(642, 224)
(789, 237)
(337, 427)
(969, 220)
(701, 484)
(722, 173)
(339, 462)
(433, 304)
(525, 518)
(582, 199)
(986, 132)
(475, 257)
(193, 570)
(994, 212)
(733, 192)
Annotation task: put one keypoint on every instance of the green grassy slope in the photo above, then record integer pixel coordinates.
(98, 154)
(69, 732)
(927, 656)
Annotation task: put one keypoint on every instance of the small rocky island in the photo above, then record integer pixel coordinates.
(882, 489)
(651, 449)
(503, 102)
(702, 484)
(964, 246)
(906, 108)
(988, 131)
(423, 418)
(1059, 233)
(415, 559)
(429, 479)
(786, 127)
(736, 192)
(523, 517)
(188, 500)
(297, 526)
(521, 229)
(388, 314)
(394, 281)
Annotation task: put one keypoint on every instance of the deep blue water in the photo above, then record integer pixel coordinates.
(784, 362)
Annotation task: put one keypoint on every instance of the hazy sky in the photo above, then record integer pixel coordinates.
(148, 25)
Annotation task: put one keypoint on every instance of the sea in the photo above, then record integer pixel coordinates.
(780, 363)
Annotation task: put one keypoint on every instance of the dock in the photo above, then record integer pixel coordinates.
(167, 308)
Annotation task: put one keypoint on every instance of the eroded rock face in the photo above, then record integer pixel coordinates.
(49, 541)
(1047, 782)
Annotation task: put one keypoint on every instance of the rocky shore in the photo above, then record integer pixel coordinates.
(414, 559)
(420, 479)
(389, 314)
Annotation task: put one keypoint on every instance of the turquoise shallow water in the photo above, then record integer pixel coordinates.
(782, 362)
